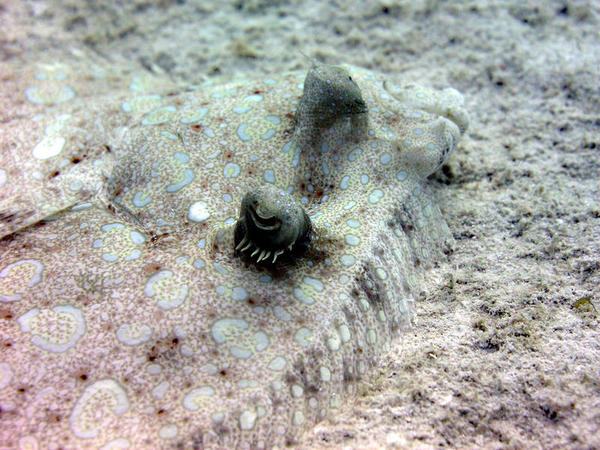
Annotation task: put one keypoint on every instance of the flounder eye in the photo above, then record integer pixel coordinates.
(271, 224)
(264, 219)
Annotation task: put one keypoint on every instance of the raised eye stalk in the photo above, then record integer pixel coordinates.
(271, 224)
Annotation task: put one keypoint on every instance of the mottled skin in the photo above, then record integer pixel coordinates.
(127, 316)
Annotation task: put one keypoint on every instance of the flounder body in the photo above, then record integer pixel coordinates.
(131, 314)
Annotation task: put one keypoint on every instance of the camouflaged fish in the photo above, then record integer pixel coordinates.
(216, 266)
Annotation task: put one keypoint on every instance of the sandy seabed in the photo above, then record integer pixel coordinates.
(506, 348)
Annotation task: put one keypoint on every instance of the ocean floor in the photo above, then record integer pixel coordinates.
(505, 351)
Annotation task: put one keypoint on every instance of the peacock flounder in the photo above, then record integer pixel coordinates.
(135, 311)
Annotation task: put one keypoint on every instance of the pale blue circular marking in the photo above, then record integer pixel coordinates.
(239, 294)
(198, 263)
(302, 297)
(169, 135)
(269, 176)
(198, 115)
(109, 257)
(275, 120)
(364, 178)
(229, 221)
(202, 243)
(375, 196)
(418, 131)
(219, 268)
(354, 154)
(431, 146)
(220, 289)
(137, 237)
(198, 212)
(241, 132)
(75, 185)
(231, 170)
(34, 95)
(140, 200)
(385, 158)
(97, 243)
(402, 175)
(353, 223)
(296, 159)
(344, 183)
(265, 279)
(227, 198)
(241, 109)
(112, 226)
(314, 283)
(268, 135)
(324, 147)
(188, 175)
(254, 98)
(133, 255)
(136, 84)
(347, 260)
(209, 132)
(325, 168)
(352, 240)
(40, 76)
(181, 157)
(286, 147)
(81, 207)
